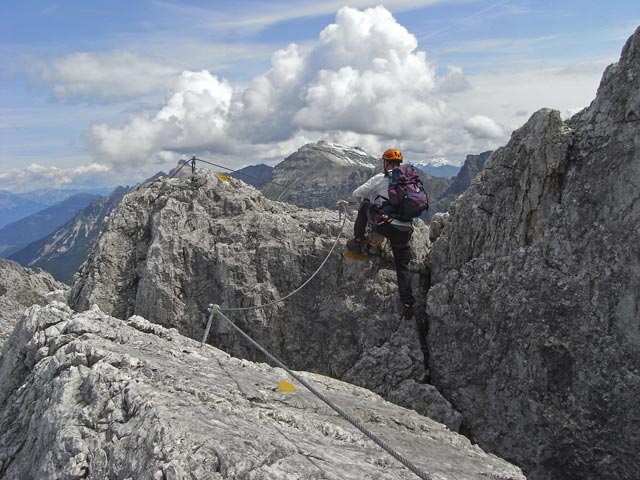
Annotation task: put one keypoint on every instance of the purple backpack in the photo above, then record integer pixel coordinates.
(407, 196)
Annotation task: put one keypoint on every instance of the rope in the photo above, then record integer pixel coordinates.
(181, 166)
(307, 192)
(257, 307)
(215, 309)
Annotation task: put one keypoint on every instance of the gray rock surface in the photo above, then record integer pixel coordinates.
(171, 249)
(19, 289)
(535, 305)
(321, 174)
(90, 396)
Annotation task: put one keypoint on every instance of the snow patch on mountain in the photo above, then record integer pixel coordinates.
(345, 155)
(437, 162)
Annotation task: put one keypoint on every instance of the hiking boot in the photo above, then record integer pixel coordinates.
(408, 310)
(354, 245)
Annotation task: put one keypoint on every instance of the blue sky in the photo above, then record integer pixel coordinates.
(108, 92)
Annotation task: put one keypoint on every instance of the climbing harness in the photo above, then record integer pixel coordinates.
(216, 310)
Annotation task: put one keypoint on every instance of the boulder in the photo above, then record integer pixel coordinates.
(19, 289)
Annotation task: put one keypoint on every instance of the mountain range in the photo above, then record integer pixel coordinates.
(16, 235)
(14, 207)
(320, 174)
(64, 250)
(317, 175)
(525, 338)
(440, 168)
(255, 175)
(52, 196)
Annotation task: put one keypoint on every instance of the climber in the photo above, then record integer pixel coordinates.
(396, 231)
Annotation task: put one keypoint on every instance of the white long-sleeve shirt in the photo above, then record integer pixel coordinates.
(376, 185)
(375, 188)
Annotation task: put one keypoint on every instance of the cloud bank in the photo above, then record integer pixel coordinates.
(363, 81)
(104, 76)
(36, 176)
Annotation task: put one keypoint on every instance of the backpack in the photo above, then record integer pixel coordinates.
(407, 196)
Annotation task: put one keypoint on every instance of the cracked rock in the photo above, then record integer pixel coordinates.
(155, 404)
(20, 288)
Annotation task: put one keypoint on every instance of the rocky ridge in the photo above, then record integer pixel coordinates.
(132, 399)
(174, 247)
(21, 288)
(470, 168)
(535, 295)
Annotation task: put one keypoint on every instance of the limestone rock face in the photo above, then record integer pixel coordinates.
(535, 305)
(174, 247)
(90, 396)
(19, 289)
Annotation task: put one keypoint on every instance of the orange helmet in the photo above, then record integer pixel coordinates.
(392, 155)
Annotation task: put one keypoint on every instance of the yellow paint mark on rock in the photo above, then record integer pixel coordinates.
(354, 256)
(286, 387)
(223, 177)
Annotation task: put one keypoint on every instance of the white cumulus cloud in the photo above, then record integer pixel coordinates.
(483, 127)
(104, 76)
(194, 117)
(36, 176)
(362, 82)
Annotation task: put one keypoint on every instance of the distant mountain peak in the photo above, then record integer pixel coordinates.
(339, 154)
(438, 167)
(437, 162)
